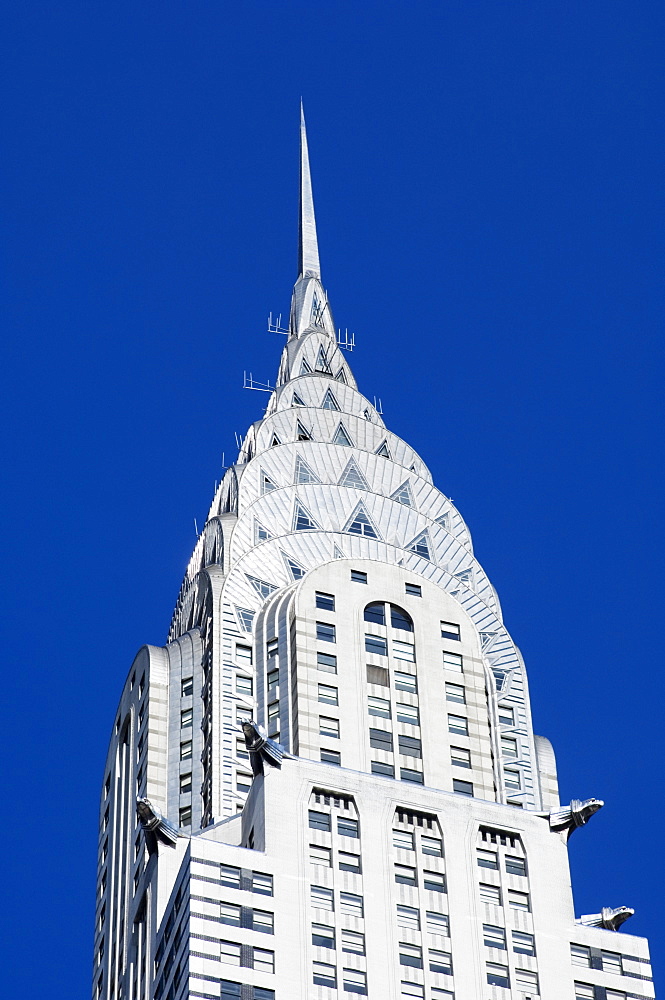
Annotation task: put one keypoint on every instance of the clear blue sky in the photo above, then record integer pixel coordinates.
(488, 182)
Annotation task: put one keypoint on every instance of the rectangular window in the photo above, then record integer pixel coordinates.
(272, 647)
(487, 859)
(325, 632)
(320, 855)
(325, 601)
(523, 943)
(407, 713)
(323, 936)
(244, 685)
(611, 961)
(244, 654)
(441, 961)
(186, 750)
(322, 898)
(410, 990)
(580, 955)
(509, 746)
(456, 693)
(185, 783)
(449, 630)
(404, 651)
(263, 921)
(354, 981)
(410, 774)
(243, 781)
(379, 707)
(410, 955)
(353, 942)
(381, 740)
(243, 714)
(438, 923)
(506, 716)
(262, 884)
(615, 995)
(490, 893)
(187, 687)
(331, 757)
(403, 840)
(241, 748)
(376, 644)
(497, 975)
(349, 862)
(409, 745)
(515, 866)
(273, 683)
(512, 779)
(264, 961)
(519, 900)
(413, 589)
(328, 695)
(324, 975)
(494, 937)
(460, 757)
(385, 770)
(229, 876)
(463, 787)
(405, 875)
(434, 881)
(327, 662)
(351, 904)
(406, 682)
(584, 991)
(328, 727)
(347, 827)
(273, 711)
(229, 913)
(432, 845)
(230, 991)
(438, 994)
(229, 952)
(524, 977)
(451, 661)
(319, 820)
(377, 675)
(358, 577)
(458, 724)
(408, 916)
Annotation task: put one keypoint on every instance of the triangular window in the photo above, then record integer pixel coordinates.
(302, 434)
(360, 524)
(337, 553)
(329, 402)
(412, 468)
(304, 474)
(444, 521)
(246, 619)
(420, 545)
(318, 308)
(341, 437)
(367, 415)
(352, 476)
(298, 400)
(403, 494)
(305, 368)
(294, 568)
(262, 587)
(302, 521)
(275, 441)
(466, 576)
(383, 450)
(261, 534)
(341, 377)
(322, 361)
(266, 484)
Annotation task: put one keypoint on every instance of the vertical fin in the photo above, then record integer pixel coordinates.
(308, 247)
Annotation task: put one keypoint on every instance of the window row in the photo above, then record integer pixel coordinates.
(409, 991)
(438, 961)
(251, 881)
(325, 936)
(405, 773)
(247, 956)
(514, 865)
(346, 860)
(408, 875)
(353, 980)
(608, 961)
(346, 825)
(517, 900)
(585, 991)
(499, 975)
(495, 937)
(409, 918)
(404, 840)
(350, 903)
(233, 991)
(245, 916)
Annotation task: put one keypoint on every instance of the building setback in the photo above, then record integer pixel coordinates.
(327, 781)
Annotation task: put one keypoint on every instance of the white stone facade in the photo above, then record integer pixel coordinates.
(405, 848)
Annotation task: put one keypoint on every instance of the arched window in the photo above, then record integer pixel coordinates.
(376, 613)
(400, 619)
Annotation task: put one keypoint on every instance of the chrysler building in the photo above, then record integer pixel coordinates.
(327, 782)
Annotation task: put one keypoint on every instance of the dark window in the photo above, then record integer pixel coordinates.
(450, 631)
(327, 662)
(358, 577)
(515, 866)
(229, 990)
(413, 589)
(387, 770)
(408, 774)
(331, 757)
(381, 740)
(405, 875)
(324, 975)
(409, 746)
(325, 632)
(325, 601)
(441, 961)
(347, 827)
(323, 936)
(411, 955)
(187, 687)
(487, 859)
(376, 613)
(463, 787)
(406, 682)
(349, 862)
(400, 619)
(376, 644)
(434, 881)
(497, 975)
(229, 876)
(319, 820)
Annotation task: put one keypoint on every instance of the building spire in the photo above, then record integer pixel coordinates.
(308, 248)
